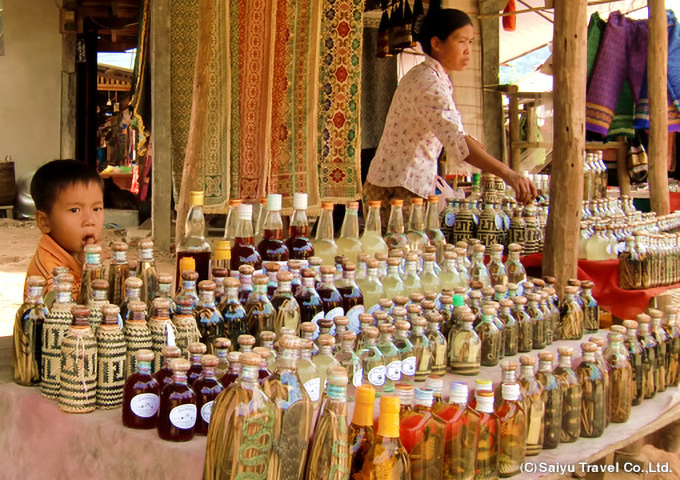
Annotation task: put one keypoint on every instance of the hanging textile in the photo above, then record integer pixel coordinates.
(141, 93)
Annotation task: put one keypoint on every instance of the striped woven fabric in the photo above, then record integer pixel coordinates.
(137, 336)
(55, 327)
(187, 332)
(157, 328)
(78, 376)
(111, 350)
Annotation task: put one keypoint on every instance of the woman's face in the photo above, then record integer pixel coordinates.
(454, 52)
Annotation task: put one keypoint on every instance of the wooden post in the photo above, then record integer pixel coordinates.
(657, 72)
(493, 99)
(199, 110)
(622, 166)
(161, 196)
(560, 255)
(68, 97)
(513, 116)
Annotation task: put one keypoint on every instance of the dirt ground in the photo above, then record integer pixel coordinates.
(18, 240)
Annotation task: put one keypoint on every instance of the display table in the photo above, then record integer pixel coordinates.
(624, 304)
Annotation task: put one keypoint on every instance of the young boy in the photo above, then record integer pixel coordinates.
(69, 203)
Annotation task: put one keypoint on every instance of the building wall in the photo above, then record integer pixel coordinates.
(30, 84)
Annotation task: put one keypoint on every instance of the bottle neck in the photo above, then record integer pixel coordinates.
(273, 222)
(325, 229)
(195, 222)
(349, 278)
(545, 366)
(249, 374)
(415, 221)
(485, 404)
(234, 367)
(308, 283)
(260, 290)
(527, 371)
(232, 294)
(244, 229)
(306, 353)
(347, 346)
(363, 414)
(188, 286)
(326, 350)
(432, 216)
(350, 225)
(411, 267)
(207, 298)
(336, 393)
(589, 357)
(428, 267)
(164, 290)
(372, 274)
(388, 426)
(246, 282)
(565, 361)
(396, 220)
(119, 257)
(373, 221)
(208, 372)
(284, 288)
(146, 255)
(179, 378)
(93, 260)
(509, 376)
(328, 282)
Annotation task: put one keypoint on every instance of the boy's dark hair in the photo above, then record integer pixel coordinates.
(54, 176)
(441, 23)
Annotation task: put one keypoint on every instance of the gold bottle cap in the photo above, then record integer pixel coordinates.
(196, 198)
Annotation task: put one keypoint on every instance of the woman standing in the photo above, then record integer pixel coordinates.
(423, 118)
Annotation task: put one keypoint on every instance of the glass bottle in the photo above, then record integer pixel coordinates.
(372, 360)
(325, 359)
(371, 288)
(525, 326)
(604, 368)
(141, 395)
(232, 219)
(552, 398)
(294, 413)
(630, 266)
(450, 276)
(411, 278)
(662, 344)
(59, 275)
(570, 386)
(349, 244)
(538, 321)
(488, 461)
(119, 270)
(92, 270)
(309, 373)
(620, 379)
(177, 410)
(428, 277)
(391, 356)
(193, 243)
(164, 374)
(268, 340)
(532, 393)
(593, 399)
(165, 292)
(352, 297)
(438, 344)
(188, 286)
(234, 370)
(635, 357)
(208, 317)
(137, 335)
(220, 259)
(361, 430)
(513, 266)
(259, 310)
(232, 311)
(513, 431)
(490, 338)
(421, 349)
(509, 369)
(649, 351)
(496, 268)
(461, 427)
(510, 332)
(207, 388)
(242, 426)
(311, 305)
(395, 237)
(298, 243)
(407, 353)
(422, 435)
(433, 228)
(351, 362)
(272, 248)
(329, 454)
(286, 307)
(133, 293)
(28, 341)
(571, 316)
(591, 310)
(387, 457)
(243, 251)
(465, 349)
(196, 352)
(415, 233)
(372, 240)
(271, 269)
(673, 359)
(478, 271)
(330, 296)
(310, 331)
(324, 242)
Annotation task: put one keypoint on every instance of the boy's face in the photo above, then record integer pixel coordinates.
(77, 217)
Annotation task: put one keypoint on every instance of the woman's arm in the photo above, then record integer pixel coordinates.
(525, 190)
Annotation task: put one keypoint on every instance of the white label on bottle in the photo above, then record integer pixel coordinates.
(408, 366)
(358, 377)
(183, 416)
(313, 388)
(336, 312)
(206, 412)
(353, 316)
(373, 308)
(144, 405)
(315, 321)
(377, 376)
(394, 370)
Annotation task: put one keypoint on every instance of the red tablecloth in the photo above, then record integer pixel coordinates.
(674, 201)
(624, 304)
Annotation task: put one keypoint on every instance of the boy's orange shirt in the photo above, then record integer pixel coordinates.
(48, 255)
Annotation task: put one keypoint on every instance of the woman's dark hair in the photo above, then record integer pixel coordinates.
(441, 23)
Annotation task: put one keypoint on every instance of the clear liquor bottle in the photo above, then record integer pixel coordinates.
(513, 266)
(372, 361)
(407, 353)
(421, 346)
(620, 379)
(411, 278)
(570, 386)
(232, 219)
(496, 268)
(552, 398)
(92, 270)
(349, 244)
(286, 307)
(673, 332)
(604, 368)
(391, 356)
(593, 397)
(490, 337)
(372, 240)
(395, 236)
(532, 393)
(432, 227)
(438, 344)
(635, 356)
(371, 288)
(351, 362)
(28, 341)
(509, 373)
(649, 351)
(119, 270)
(513, 431)
(325, 359)
(258, 221)
(324, 242)
(525, 326)
(478, 271)
(428, 278)
(415, 233)
(309, 373)
(571, 316)
(662, 344)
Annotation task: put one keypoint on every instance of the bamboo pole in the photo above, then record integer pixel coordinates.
(515, 136)
(560, 256)
(199, 107)
(657, 72)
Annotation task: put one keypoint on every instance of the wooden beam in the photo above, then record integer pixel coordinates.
(622, 166)
(657, 73)
(68, 97)
(560, 255)
(492, 99)
(161, 176)
(199, 114)
(513, 116)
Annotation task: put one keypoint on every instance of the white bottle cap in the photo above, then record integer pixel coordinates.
(300, 201)
(245, 211)
(274, 202)
(510, 391)
(458, 392)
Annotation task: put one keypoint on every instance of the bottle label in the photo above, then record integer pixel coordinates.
(408, 366)
(450, 219)
(336, 312)
(394, 370)
(313, 388)
(353, 316)
(315, 320)
(183, 416)
(358, 377)
(206, 412)
(377, 376)
(144, 405)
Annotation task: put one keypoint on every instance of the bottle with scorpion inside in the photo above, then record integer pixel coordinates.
(513, 431)
(571, 316)
(649, 351)
(604, 368)
(635, 357)
(496, 268)
(570, 386)
(593, 398)
(119, 270)
(27, 345)
(662, 343)
(552, 398)
(513, 266)
(490, 338)
(532, 393)
(620, 379)
(438, 346)
(133, 293)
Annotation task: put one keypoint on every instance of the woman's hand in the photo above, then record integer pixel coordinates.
(525, 190)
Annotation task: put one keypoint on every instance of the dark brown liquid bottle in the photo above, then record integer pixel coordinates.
(234, 369)
(140, 397)
(272, 270)
(298, 243)
(177, 411)
(243, 251)
(206, 388)
(164, 374)
(332, 300)
(245, 290)
(352, 298)
(311, 305)
(196, 351)
(263, 373)
(271, 247)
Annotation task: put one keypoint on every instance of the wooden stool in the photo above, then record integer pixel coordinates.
(8, 209)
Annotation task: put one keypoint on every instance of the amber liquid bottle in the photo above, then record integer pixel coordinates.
(532, 393)
(387, 457)
(164, 374)
(311, 305)
(259, 310)
(422, 435)
(140, 397)
(593, 398)
(635, 356)
(649, 358)
(298, 243)
(28, 335)
(146, 271)
(513, 431)
(119, 270)
(489, 432)
(271, 247)
(196, 351)
(571, 396)
(361, 431)
(207, 388)
(621, 384)
(552, 399)
(193, 244)
(243, 251)
(177, 411)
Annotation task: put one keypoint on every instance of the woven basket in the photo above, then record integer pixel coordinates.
(157, 327)
(137, 336)
(55, 327)
(111, 351)
(78, 377)
(187, 331)
(96, 314)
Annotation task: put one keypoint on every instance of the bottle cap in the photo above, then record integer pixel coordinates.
(599, 341)
(219, 272)
(434, 383)
(92, 249)
(630, 324)
(232, 282)
(510, 391)
(234, 358)
(144, 355)
(446, 299)
(119, 247)
(246, 270)
(267, 336)
(618, 329)
(349, 336)
(390, 404)
(100, 284)
(196, 348)
(263, 352)
(329, 206)
(458, 301)
(209, 361)
(643, 318)
(245, 211)
(424, 396)
(284, 276)
(654, 313)
(588, 347)
(365, 394)
(397, 202)
(547, 356)
(222, 342)
(614, 337)
(375, 203)
(196, 198)
(337, 376)
(527, 360)
(246, 340)
(274, 202)
(133, 282)
(206, 286)
(310, 327)
(326, 340)
(171, 351)
(483, 384)
(300, 201)
(180, 365)
(402, 325)
(458, 392)
(250, 359)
